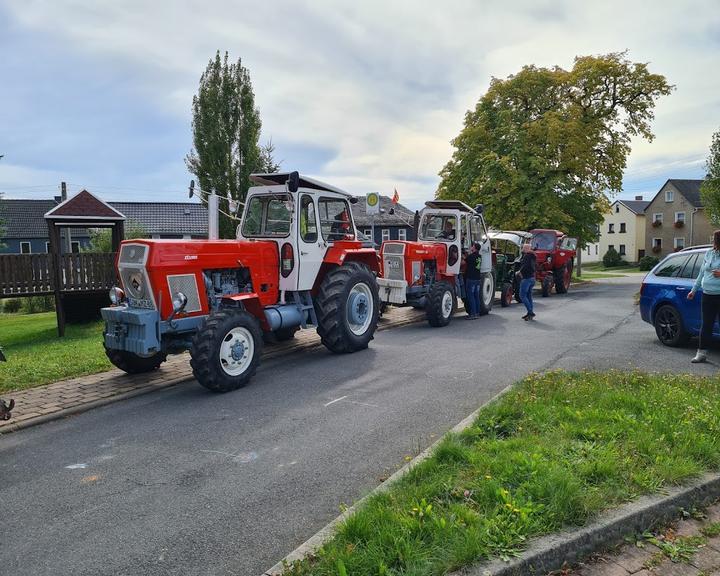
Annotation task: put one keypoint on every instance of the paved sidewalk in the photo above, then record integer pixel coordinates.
(43, 403)
(691, 535)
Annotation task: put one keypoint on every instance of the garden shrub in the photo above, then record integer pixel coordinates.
(612, 258)
(647, 263)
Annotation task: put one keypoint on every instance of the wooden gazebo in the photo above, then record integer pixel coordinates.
(78, 276)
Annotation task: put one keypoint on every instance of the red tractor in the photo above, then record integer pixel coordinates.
(427, 273)
(296, 263)
(555, 254)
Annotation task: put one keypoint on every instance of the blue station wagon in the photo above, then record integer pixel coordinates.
(663, 297)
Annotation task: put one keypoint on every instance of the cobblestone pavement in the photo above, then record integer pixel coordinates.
(42, 403)
(694, 537)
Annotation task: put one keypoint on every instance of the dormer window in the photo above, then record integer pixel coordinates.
(617, 208)
(669, 195)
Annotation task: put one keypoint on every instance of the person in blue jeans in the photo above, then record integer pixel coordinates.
(709, 280)
(528, 264)
(473, 276)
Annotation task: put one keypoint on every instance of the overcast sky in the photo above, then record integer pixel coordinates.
(365, 95)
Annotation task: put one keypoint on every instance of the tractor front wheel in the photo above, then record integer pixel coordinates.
(226, 350)
(562, 278)
(546, 285)
(134, 364)
(487, 293)
(441, 304)
(506, 294)
(347, 308)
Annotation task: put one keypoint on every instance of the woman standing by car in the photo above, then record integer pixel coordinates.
(709, 280)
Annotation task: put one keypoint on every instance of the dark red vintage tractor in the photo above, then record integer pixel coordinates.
(555, 252)
(296, 263)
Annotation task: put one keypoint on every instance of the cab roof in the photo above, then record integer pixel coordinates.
(280, 178)
(449, 205)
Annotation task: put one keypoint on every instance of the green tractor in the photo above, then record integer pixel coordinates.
(506, 247)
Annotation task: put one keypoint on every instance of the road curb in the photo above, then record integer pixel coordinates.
(327, 532)
(17, 426)
(550, 553)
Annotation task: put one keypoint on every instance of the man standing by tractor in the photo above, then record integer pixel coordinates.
(473, 276)
(528, 264)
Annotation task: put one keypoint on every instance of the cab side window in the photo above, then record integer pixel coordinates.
(308, 221)
(335, 220)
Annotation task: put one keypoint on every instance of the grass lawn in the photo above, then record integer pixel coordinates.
(600, 267)
(552, 453)
(37, 356)
(586, 275)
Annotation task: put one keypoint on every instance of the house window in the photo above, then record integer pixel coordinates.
(658, 217)
(611, 228)
(596, 249)
(385, 234)
(368, 232)
(622, 250)
(75, 247)
(611, 247)
(617, 208)
(588, 249)
(402, 234)
(622, 228)
(657, 243)
(679, 243)
(669, 195)
(680, 217)
(25, 248)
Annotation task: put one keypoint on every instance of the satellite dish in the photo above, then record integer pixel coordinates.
(192, 189)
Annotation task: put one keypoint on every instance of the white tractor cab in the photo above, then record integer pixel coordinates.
(306, 218)
(428, 273)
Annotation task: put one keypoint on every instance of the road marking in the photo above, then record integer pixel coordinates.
(243, 457)
(363, 404)
(76, 466)
(336, 400)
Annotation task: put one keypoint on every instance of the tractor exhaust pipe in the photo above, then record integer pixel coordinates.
(213, 216)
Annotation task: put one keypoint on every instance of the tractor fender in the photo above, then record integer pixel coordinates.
(338, 255)
(249, 301)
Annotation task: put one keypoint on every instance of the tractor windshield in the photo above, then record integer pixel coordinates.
(438, 227)
(267, 216)
(544, 241)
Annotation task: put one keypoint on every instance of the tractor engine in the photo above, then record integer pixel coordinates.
(408, 268)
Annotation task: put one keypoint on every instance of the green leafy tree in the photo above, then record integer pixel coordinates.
(226, 129)
(101, 238)
(545, 147)
(710, 188)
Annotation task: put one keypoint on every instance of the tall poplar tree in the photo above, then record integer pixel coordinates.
(226, 129)
(710, 188)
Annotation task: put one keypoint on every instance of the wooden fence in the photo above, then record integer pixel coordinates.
(34, 274)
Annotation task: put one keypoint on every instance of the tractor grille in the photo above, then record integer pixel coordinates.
(132, 254)
(187, 284)
(391, 248)
(394, 267)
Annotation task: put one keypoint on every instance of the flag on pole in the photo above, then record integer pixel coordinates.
(396, 197)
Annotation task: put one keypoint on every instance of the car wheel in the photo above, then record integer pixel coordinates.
(669, 326)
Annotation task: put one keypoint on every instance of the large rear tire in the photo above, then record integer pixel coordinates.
(134, 364)
(441, 304)
(506, 294)
(347, 308)
(487, 293)
(226, 350)
(546, 285)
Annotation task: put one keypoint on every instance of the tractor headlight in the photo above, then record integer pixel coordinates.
(179, 302)
(116, 295)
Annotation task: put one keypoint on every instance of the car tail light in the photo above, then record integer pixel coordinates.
(642, 288)
(287, 260)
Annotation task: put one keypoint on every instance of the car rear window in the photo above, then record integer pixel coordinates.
(672, 266)
(691, 268)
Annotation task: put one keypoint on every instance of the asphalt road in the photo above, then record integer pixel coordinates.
(186, 482)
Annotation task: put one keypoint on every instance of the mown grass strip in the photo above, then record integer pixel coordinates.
(552, 453)
(36, 355)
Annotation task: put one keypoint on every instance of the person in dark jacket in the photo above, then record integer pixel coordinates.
(473, 276)
(528, 263)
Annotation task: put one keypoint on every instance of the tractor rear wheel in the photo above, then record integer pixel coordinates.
(487, 293)
(347, 308)
(562, 278)
(132, 363)
(547, 284)
(506, 294)
(441, 304)
(226, 350)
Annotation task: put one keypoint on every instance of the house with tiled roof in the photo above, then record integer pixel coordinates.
(624, 229)
(395, 221)
(26, 232)
(675, 218)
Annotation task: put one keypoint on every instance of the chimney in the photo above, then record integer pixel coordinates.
(638, 197)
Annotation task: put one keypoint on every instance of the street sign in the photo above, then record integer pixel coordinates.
(372, 203)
